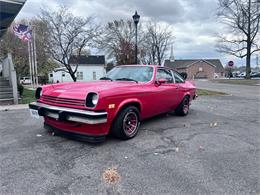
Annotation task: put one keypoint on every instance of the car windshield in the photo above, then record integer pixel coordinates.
(131, 73)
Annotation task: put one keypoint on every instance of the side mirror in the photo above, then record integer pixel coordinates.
(161, 81)
(184, 75)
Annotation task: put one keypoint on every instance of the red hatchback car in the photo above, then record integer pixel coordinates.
(115, 104)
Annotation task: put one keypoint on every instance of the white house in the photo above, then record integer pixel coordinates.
(89, 68)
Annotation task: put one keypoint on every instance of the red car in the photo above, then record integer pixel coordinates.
(115, 104)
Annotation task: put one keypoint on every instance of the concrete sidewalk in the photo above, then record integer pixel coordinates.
(13, 107)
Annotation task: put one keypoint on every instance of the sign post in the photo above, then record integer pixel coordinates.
(230, 65)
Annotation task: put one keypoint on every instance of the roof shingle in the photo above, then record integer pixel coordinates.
(88, 60)
(187, 62)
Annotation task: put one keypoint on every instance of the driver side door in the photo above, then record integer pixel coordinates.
(165, 93)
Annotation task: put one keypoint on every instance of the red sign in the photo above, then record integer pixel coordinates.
(231, 63)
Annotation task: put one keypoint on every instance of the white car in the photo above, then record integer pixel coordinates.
(241, 75)
(25, 81)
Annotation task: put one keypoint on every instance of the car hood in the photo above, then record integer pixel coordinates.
(79, 90)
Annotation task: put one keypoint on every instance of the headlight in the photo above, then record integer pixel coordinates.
(95, 99)
(38, 93)
(91, 100)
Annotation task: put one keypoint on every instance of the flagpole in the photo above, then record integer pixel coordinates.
(24, 33)
(33, 71)
(35, 57)
(30, 62)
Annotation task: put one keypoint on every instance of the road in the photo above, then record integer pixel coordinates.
(237, 90)
(218, 153)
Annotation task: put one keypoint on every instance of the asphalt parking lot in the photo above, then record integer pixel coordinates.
(214, 150)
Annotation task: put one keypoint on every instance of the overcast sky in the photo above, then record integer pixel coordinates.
(194, 22)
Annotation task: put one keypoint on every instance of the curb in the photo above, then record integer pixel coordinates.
(13, 107)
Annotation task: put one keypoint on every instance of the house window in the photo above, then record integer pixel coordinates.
(63, 74)
(51, 75)
(200, 69)
(80, 75)
(94, 76)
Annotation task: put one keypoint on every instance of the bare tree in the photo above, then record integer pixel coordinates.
(117, 40)
(155, 43)
(242, 18)
(69, 35)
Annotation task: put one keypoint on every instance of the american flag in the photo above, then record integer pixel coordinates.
(23, 32)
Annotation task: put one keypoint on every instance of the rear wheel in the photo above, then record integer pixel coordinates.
(126, 124)
(183, 108)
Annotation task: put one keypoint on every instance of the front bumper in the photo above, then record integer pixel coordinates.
(75, 135)
(69, 114)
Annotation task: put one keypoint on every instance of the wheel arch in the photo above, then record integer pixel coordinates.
(129, 102)
(187, 94)
(124, 104)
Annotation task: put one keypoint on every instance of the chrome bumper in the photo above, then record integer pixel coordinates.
(69, 114)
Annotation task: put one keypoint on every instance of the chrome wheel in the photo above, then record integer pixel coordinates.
(126, 123)
(186, 105)
(130, 123)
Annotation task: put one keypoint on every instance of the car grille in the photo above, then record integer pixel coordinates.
(66, 101)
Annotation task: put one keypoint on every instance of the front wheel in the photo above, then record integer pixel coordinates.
(126, 124)
(183, 108)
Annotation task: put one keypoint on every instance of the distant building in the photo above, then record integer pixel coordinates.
(197, 68)
(89, 68)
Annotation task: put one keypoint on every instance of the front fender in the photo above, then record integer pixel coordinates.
(190, 94)
(129, 102)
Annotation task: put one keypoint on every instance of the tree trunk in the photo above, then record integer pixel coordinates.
(248, 47)
(248, 61)
(158, 55)
(71, 72)
(248, 68)
(73, 77)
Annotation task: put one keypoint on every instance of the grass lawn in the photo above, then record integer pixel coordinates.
(27, 97)
(203, 92)
(238, 81)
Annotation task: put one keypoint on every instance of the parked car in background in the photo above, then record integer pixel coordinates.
(235, 73)
(115, 104)
(255, 74)
(241, 75)
(25, 81)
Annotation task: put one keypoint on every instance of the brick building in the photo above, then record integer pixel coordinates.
(197, 68)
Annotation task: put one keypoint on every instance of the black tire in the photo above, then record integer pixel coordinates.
(121, 127)
(183, 108)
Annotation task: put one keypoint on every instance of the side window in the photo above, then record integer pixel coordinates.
(164, 74)
(178, 78)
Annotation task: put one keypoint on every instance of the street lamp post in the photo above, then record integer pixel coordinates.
(136, 18)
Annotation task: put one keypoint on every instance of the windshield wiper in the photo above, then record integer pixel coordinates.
(126, 79)
(106, 78)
